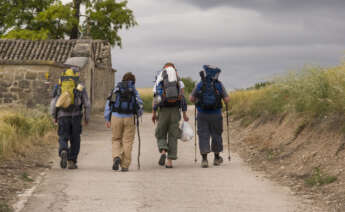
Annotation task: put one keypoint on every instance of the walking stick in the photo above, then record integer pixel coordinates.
(195, 160)
(228, 130)
(139, 142)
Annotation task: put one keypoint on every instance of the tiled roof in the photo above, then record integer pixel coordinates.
(53, 51)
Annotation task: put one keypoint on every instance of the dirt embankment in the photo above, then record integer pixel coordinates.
(308, 157)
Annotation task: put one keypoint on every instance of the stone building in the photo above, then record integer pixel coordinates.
(30, 69)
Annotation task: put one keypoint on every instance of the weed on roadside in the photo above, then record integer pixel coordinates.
(269, 154)
(26, 177)
(317, 178)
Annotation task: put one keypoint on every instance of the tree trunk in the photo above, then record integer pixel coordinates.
(75, 29)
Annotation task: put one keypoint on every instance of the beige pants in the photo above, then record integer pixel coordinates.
(123, 136)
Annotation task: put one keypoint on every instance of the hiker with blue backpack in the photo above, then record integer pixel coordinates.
(168, 101)
(122, 109)
(207, 96)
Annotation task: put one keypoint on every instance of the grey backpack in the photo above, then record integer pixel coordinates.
(171, 90)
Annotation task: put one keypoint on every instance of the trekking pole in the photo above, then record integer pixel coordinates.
(228, 129)
(139, 142)
(195, 160)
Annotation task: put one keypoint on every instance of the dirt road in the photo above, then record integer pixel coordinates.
(187, 187)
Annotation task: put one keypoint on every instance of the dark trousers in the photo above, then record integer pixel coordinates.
(210, 126)
(70, 130)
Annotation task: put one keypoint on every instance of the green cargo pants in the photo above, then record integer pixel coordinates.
(167, 131)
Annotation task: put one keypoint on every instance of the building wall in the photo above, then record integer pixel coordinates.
(85, 77)
(27, 84)
(103, 83)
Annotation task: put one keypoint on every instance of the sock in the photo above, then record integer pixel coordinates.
(204, 156)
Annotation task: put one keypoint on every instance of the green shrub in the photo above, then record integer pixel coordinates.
(189, 84)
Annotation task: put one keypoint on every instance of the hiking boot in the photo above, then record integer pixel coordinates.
(124, 169)
(162, 159)
(116, 163)
(204, 163)
(72, 165)
(63, 162)
(217, 161)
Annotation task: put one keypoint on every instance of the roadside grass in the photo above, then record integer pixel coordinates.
(312, 92)
(146, 95)
(21, 130)
(4, 207)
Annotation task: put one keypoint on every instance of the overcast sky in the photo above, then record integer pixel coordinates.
(250, 40)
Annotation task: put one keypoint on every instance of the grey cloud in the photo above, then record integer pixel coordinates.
(271, 5)
(250, 44)
(242, 67)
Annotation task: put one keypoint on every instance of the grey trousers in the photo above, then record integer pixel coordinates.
(210, 126)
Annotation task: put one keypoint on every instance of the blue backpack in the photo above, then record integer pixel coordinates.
(123, 100)
(209, 90)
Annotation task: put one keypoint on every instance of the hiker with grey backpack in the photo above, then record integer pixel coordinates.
(208, 96)
(122, 110)
(168, 101)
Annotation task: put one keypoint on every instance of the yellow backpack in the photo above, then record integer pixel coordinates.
(68, 82)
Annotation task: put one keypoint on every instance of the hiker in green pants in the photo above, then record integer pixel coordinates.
(168, 101)
(168, 126)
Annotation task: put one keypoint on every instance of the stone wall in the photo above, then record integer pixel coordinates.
(103, 83)
(27, 84)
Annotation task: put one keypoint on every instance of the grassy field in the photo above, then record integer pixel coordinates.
(21, 130)
(312, 92)
(146, 95)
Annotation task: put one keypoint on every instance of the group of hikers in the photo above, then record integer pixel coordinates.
(124, 106)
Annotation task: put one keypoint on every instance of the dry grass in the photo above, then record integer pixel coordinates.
(145, 91)
(313, 92)
(146, 95)
(21, 130)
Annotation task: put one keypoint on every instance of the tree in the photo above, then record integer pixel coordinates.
(19, 13)
(189, 84)
(51, 19)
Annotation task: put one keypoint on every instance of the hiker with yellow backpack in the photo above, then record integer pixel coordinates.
(69, 100)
